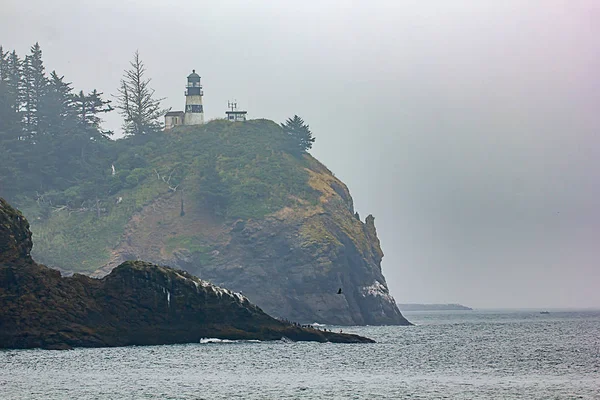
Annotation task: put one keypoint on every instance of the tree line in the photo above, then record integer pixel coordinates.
(48, 131)
(53, 145)
(51, 135)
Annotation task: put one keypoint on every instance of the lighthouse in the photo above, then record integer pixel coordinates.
(194, 112)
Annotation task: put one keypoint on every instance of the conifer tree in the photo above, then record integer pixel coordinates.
(46, 143)
(35, 86)
(10, 91)
(56, 112)
(141, 111)
(301, 138)
(15, 83)
(3, 65)
(89, 107)
(5, 106)
(5, 112)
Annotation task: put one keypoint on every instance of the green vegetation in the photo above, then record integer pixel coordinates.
(233, 170)
(79, 188)
(300, 135)
(191, 243)
(136, 103)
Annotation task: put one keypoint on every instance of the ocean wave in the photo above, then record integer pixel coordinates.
(216, 340)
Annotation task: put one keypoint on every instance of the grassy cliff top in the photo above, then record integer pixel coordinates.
(224, 170)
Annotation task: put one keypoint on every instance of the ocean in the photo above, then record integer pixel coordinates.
(447, 355)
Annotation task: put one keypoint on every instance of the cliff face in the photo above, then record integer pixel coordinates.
(15, 236)
(292, 262)
(227, 203)
(136, 304)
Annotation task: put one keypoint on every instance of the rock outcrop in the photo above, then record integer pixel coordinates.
(138, 303)
(230, 204)
(292, 262)
(15, 236)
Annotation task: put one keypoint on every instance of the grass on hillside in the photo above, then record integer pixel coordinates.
(239, 170)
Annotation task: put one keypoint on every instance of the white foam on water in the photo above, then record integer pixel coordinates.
(215, 340)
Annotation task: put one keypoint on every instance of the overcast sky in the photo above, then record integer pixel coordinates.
(468, 128)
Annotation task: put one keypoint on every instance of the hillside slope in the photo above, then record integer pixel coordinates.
(227, 203)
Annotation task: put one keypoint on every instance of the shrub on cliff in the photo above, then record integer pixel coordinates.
(300, 137)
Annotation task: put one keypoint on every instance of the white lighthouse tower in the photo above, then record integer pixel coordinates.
(194, 112)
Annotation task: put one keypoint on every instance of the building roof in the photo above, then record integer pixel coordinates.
(174, 113)
(236, 112)
(193, 76)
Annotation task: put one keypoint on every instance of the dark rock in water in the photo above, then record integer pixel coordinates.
(138, 303)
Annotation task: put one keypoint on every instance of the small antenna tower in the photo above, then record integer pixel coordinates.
(232, 105)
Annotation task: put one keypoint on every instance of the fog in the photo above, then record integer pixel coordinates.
(469, 129)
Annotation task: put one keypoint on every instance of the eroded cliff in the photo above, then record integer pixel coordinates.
(227, 203)
(138, 303)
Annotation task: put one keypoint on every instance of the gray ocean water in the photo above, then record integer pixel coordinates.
(453, 355)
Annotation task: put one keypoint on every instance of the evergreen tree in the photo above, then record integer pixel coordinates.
(88, 108)
(136, 103)
(56, 112)
(13, 161)
(15, 84)
(35, 87)
(10, 96)
(301, 138)
(6, 158)
(76, 131)
(3, 65)
(5, 106)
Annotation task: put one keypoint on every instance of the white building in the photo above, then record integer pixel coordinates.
(194, 111)
(174, 118)
(234, 114)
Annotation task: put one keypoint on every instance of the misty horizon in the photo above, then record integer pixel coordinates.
(469, 130)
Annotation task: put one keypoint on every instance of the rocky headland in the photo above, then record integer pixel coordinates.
(230, 204)
(138, 303)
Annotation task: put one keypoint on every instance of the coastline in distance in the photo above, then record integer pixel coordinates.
(433, 307)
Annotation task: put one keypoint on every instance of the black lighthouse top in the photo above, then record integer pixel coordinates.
(194, 88)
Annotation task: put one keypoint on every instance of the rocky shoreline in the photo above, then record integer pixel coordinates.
(138, 303)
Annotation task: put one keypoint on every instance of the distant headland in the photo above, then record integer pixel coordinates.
(433, 307)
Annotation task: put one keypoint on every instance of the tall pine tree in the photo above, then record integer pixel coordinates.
(56, 112)
(89, 107)
(141, 111)
(89, 133)
(10, 97)
(5, 106)
(35, 87)
(299, 135)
